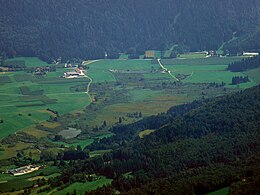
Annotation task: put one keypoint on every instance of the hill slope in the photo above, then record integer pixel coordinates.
(202, 148)
(88, 29)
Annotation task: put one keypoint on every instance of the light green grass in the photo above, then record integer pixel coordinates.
(128, 175)
(202, 61)
(254, 74)
(100, 71)
(123, 56)
(100, 76)
(59, 89)
(98, 152)
(13, 122)
(143, 95)
(207, 70)
(81, 143)
(81, 188)
(192, 55)
(121, 64)
(145, 132)
(29, 61)
(69, 102)
(167, 53)
(222, 191)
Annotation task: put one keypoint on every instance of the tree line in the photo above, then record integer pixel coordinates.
(245, 64)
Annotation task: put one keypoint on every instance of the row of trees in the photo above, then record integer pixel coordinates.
(239, 79)
(245, 64)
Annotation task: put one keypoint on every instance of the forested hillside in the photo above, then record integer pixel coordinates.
(204, 147)
(87, 29)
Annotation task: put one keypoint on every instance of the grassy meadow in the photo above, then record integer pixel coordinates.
(120, 89)
(29, 61)
(25, 97)
(223, 191)
(207, 70)
(81, 188)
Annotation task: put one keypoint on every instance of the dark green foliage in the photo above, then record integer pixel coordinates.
(248, 185)
(197, 151)
(74, 155)
(127, 132)
(15, 64)
(89, 29)
(247, 42)
(245, 64)
(47, 155)
(239, 79)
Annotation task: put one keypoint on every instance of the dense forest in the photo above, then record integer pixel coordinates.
(89, 29)
(184, 154)
(245, 64)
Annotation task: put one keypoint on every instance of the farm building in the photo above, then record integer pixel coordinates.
(74, 74)
(250, 53)
(149, 54)
(23, 170)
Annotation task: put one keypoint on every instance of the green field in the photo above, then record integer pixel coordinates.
(192, 55)
(121, 64)
(223, 191)
(29, 61)
(120, 88)
(254, 75)
(9, 182)
(202, 61)
(81, 188)
(98, 152)
(24, 101)
(206, 70)
(20, 110)
(145, 132)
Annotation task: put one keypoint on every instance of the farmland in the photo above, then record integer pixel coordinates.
(24, 103)
(27, 61)
(81, 188)
(136, 86)
(25, 97)
(9, 183)
(40, 108)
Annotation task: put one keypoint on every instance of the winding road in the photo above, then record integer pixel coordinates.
(165, 69)
(88, 87)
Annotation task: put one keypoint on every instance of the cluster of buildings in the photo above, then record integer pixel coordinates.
(42, 70)
(23, 170)
(78, 72)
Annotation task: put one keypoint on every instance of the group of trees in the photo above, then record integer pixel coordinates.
(245, 64)
(98, 29)
(239, 79)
